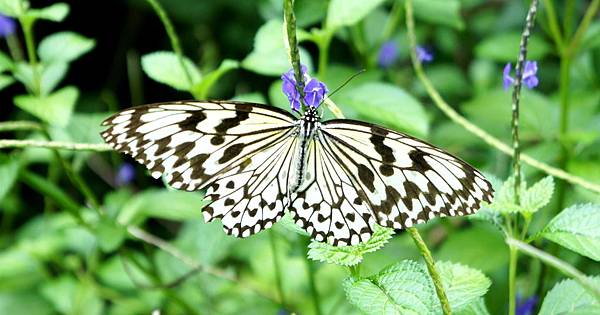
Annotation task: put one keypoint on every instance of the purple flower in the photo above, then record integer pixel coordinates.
(424, 55)
(7, 26)
(529, 75)
(388, 54)
(125, 174)
(525, 307)
(314, 90)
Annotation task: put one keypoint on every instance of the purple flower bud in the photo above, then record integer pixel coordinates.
(424, 55)
(125, 174)
(529, 75)
(314, 90)
(7, 26)
(526, 306)
(388, 54)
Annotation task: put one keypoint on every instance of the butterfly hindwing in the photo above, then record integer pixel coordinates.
(192, 142)
(253, 195)
(327, 205)
(405, 180)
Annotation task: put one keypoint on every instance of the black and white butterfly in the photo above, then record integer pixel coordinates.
(337, 178)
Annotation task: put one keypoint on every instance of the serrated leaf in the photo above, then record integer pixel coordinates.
(200, 90)
(56, 12)
(164, 67)
(64, 47)
(55, 108)
(569, 297)
(531, 199)
(269, 56)
(403, 288)
(486, 213)
(161, 203)
(387, 104)
(538, 195)
(443, 12)
(463, 285)
(288, 224)
(9, 169)
(578, 229)
(349, 12)
(349, 255)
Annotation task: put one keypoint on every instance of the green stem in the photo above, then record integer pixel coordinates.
(433, 273)
(27, 25)
(310, 269)
(278, 279)
(9, 143)
(354, 271)
(553, 24)
(568, 19)
(560, 265)
(164, 18)
(292, 41)
(19, 125)
(590, 13)
(512, 280)
(324, 39)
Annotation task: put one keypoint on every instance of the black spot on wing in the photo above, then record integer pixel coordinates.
(231, 152)
(366, 176)
(229, 123)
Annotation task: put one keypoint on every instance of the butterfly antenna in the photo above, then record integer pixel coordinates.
(345, 82)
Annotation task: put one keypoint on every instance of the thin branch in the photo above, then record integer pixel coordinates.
(480, 133)
(294, 53)
(19, 125)
(9, 143)
(561, 265)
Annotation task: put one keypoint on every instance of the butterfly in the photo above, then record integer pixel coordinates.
(338, 179)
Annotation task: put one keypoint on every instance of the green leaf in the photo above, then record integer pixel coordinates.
(164, 67)
(5, 81)
(64, 47)
(55, 108)
(269, 56)
(86, 128)
(161, 203)
(200, 90)
(442, 12)
(569, 297)
(504, 47)
(387, 104)
(110, 234)
(463, 285)
(532, 198)
(9, 169)
(403, 288)
(475, 308)
(25, 302)
(538, 195)
(349, 12)
(491, 110)
(19, 270)
(13, 8)
(6, 62)
(465, 246)
(56, 12)
(255, 97)
(51, 76)
(578, 229)
(72, 296)
(349, 255)
(288, 224)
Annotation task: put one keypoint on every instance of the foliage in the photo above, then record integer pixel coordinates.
(77, 239)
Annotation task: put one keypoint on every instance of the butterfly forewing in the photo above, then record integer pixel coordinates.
(405, 180)
(192, 142)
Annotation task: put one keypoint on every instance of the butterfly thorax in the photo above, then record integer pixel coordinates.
(308, 125)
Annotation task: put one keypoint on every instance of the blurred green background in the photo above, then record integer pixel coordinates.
(68, 240)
